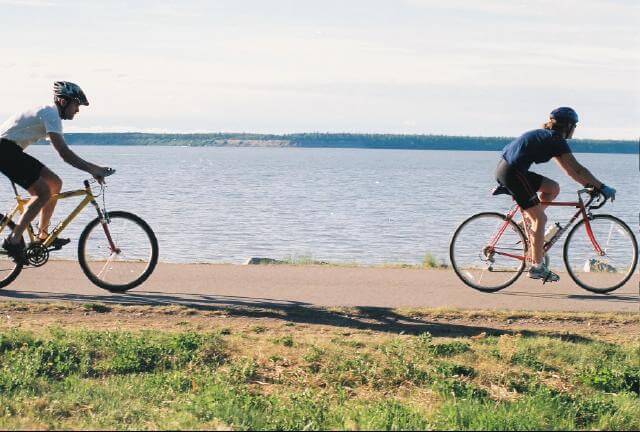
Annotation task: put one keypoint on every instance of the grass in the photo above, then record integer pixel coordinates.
(429, 261)
(270, 374)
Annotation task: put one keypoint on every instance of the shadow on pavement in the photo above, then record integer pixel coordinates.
(362, 318)
(624, 298)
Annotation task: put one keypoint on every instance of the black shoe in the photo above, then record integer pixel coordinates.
(15, 251)
(59, 242)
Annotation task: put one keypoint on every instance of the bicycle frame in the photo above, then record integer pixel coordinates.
(88, 198)
(582, 211)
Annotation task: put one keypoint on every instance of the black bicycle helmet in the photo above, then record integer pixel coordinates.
(69, 90)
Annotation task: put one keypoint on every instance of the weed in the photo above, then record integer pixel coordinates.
(450, 349)
(613, 380)
(243, 370)
(96, 307)
(313, 358)
(447, 370)
(284, 341)
(429, 261)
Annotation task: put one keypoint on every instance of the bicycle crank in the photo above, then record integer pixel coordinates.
(36, 255)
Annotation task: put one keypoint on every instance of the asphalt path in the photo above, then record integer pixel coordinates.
(228, 285)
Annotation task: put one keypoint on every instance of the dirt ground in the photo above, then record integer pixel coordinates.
(438, 322)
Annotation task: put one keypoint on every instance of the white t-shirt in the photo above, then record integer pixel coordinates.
(32, 125)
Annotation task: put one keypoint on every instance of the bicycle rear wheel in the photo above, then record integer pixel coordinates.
(9, 269)
(119, 255)
(596, 273)
(483, 267)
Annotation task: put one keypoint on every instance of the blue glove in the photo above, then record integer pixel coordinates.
(608, 192)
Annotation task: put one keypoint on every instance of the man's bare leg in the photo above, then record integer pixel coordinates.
(538, 270)
(549, 191)
(55, 186)
(40, 192)
(538, 220)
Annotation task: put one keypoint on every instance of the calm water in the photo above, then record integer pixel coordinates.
(345, 205)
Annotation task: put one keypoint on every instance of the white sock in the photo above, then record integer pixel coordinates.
(537, 266)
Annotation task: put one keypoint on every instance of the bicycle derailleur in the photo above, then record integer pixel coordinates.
(36, 255)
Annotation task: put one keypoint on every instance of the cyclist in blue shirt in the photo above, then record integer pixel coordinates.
(539, 146)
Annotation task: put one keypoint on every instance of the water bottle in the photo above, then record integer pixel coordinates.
(551, 231)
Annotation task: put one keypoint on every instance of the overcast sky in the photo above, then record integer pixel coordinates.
(456, 67)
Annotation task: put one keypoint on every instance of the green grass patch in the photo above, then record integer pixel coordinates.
(314, 379)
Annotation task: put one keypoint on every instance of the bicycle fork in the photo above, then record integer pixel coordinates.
(104, 222)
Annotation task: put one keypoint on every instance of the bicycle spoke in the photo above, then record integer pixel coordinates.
(484, 255)
(590, 269)
(130, 263)
(109, 260)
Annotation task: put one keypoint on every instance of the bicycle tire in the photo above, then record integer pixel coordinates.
(8, 276)
(150, 264)
(576, 278)
(460, 271)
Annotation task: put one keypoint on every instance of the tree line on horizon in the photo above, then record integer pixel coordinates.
(334, 140)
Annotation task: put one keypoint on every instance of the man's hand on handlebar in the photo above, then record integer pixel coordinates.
(101, 172)
(608, 192)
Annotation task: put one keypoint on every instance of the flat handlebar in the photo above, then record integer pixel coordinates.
(110, 172)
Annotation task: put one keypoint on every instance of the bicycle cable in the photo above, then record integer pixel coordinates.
(103, 190)
(102, 193)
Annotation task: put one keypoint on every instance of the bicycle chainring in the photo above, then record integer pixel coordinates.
(36, 255)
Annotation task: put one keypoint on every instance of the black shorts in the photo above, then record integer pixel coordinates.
(523, 186)
(20, 167)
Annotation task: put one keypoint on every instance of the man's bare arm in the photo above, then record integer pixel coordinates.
(576, 171)
(70, 157)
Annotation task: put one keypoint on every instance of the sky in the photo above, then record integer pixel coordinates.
(454, 67)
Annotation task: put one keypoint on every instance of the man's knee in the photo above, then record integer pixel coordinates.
(56, 185)
(550, 187)
(54, 182)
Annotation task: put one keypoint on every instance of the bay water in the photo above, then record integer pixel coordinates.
(224, 205)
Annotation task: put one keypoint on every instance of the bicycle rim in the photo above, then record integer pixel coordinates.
(133, 260)
(475, 264)
(9, 269)
(610, 271)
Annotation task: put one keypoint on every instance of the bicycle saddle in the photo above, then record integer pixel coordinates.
(500, 190)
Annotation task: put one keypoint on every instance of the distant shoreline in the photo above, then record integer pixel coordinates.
(334, 140)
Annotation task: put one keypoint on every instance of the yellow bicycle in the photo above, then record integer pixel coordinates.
(117, 250)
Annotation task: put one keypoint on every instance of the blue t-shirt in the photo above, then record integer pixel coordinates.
(538, 146)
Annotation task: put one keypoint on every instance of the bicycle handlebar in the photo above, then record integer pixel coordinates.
(87, 182)
(594, 194)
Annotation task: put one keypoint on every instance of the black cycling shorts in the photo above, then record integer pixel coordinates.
(523, 186)
(20, 167)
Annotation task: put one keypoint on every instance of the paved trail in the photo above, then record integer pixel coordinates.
(281, 286)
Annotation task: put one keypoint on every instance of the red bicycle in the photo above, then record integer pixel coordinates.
(489, 251)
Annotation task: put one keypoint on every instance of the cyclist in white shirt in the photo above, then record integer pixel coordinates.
(22, 130)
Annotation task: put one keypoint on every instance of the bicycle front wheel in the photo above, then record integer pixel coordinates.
(118, 255)
(601, 273)
(483, 258)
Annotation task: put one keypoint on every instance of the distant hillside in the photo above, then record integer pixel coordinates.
(332, 140)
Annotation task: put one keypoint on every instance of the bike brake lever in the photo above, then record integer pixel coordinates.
(604, 201)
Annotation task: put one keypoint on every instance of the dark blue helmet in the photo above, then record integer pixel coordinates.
(564, 115)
